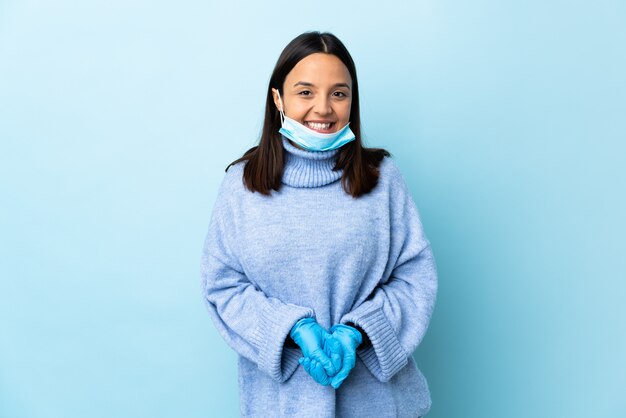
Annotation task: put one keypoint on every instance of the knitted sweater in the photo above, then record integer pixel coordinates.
(312, 250)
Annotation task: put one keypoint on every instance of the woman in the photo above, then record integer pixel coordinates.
(323, 287)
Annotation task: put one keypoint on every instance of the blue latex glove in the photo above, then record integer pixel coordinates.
(311, 338)
(315, 369)
(349, 339)
(334, 351)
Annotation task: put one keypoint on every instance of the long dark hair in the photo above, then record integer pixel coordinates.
(264, 167)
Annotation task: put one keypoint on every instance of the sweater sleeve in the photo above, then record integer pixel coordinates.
(253, 324)
(395, 316)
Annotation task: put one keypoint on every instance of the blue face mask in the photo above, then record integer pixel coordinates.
(308, 138)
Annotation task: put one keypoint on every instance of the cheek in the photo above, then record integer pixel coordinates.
(345, 113)
(294, 111)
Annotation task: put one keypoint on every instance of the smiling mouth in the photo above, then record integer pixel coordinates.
(326, 127)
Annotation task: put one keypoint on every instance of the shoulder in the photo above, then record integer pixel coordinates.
(234, 175)
(389, 167)
(232, 181)
(390, 175)
(231, 184)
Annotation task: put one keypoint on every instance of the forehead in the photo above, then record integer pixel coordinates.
(320, 69)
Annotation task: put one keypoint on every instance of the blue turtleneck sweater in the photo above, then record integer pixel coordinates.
(311, 250)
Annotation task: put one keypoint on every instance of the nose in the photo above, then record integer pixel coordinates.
(322, 106)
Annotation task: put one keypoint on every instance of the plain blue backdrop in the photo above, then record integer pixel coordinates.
(117, 119)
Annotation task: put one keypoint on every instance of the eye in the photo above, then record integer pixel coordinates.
(340, 94)
(308, 93)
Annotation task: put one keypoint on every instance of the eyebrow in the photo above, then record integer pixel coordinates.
(307, 84)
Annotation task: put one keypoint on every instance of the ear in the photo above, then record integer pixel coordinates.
(276, 101)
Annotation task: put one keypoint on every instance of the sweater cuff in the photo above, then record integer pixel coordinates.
(275, 323)
(385, 357)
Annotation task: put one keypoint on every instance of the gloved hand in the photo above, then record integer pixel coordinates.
(349, 339)
(315, 369)
(311, 338)
(333, 349)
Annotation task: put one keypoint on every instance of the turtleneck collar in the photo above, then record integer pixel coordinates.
(305, 168)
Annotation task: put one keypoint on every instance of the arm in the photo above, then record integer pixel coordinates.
(396, 314)
(254, 325)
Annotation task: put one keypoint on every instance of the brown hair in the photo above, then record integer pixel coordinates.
(264, 167)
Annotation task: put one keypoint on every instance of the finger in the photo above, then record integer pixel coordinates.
(340, 376)
(335, 358)
(338, 379)
(348, 365)
(306, 364)
(334, 350)
(319, 374)
(350, 360)
(314, 368)
(322, 358)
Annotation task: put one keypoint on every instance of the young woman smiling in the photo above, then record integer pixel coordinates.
(323, 287)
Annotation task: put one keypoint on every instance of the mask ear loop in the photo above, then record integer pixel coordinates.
(282, 115)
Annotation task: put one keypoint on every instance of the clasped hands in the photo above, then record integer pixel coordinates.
(327, 356)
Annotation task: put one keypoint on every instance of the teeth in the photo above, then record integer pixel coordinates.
(320, 126)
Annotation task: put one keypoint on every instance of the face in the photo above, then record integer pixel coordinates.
(318, 93)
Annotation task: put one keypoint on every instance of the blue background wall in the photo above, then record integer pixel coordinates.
(117, 119)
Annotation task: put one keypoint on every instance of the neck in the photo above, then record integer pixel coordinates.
(296, 145)
(304, 168)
